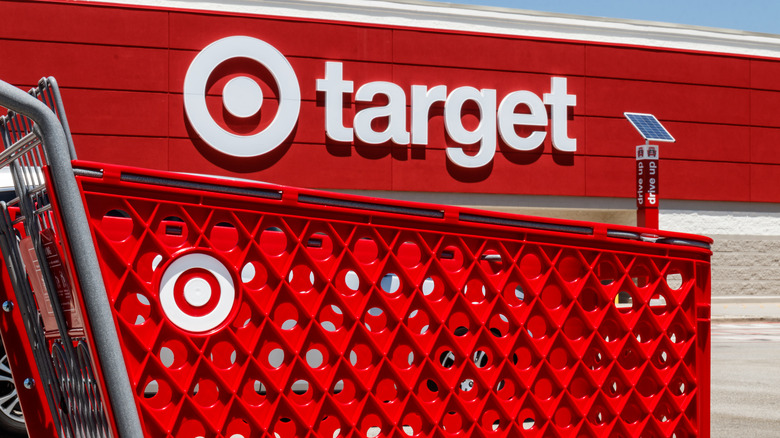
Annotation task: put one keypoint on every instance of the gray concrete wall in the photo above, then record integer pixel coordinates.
(746, 251)
(745, 265)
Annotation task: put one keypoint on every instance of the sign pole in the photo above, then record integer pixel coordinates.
(647, 186)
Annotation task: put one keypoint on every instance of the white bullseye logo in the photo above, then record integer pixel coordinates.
(197, 292)
(242, 96)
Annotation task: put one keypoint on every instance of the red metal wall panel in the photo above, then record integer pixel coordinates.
(656, 65)
(610, 177)
(83, 23)
(299, 165)
(764, 74)
(695, 141)
(693, 103)
(702, 180)
(87, 66)
(763, 145)
(108, 112)
(435, 174)
(764, 183)
(122, 71)
(487, 52)
(764, 107)
(148, 152)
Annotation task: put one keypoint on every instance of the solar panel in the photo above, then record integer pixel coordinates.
(649, 127)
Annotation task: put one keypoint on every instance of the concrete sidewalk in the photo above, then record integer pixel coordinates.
(745, 308)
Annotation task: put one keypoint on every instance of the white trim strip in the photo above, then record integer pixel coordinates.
(492, 20)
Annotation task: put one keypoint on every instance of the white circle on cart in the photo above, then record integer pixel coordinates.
(206, 127)
(428, 286)
(156, 261)
(390, 283)
(352, 280)
(242, 97)
(195, 290)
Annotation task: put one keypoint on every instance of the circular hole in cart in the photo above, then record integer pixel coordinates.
(117, 225)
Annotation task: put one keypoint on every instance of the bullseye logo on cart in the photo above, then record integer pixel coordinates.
(242, 98)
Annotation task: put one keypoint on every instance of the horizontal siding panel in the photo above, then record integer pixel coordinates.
(765, 108)
(299, 165)
(694, 141)
(81, 23)
(765, 183)
(542, 177)
(666, 66)
(118, 113)
(146, 152)
(678, 179)
(765, 145)
(706, 181)
(764, 74)
(85, 65)
(487, 52)
(610, 177)
(683, 103)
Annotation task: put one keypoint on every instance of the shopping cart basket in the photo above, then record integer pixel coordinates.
(195, 306)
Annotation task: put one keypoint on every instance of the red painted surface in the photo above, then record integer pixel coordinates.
(499, 53)
(765, 141)
(654, 65)
(764, 185)
(404, 318)
(647, 187)
(122, 71)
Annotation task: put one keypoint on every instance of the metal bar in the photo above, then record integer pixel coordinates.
(76, 227)
(35, 190)
(22, 176)
(258, 193)
(24, 297)
(330, 202)
(87, 172)
(623, 235)
(630, 235)
(44, 209)
(572, 229)
(55, 103)
(684, 242)
(28, 142)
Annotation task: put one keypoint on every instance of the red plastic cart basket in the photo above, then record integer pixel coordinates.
(241, 309)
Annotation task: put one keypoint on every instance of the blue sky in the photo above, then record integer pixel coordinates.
(748, 15)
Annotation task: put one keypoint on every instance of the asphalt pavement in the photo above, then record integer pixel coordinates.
(745, 357)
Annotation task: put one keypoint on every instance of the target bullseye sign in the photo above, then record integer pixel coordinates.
(197, 292)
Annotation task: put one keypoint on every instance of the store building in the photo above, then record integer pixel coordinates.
(483, 107)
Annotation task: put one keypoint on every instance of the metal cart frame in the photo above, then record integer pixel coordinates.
(35, 137)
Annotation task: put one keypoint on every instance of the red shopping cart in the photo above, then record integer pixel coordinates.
(174, 305)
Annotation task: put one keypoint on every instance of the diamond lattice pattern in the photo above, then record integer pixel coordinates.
(329, 326)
